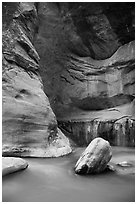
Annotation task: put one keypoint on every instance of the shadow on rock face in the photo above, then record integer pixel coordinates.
(100, 103)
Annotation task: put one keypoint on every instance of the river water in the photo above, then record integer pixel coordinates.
(54, 180)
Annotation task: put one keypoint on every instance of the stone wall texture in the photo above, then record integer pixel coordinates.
(69, 64)
(29, 124)
(87, 63)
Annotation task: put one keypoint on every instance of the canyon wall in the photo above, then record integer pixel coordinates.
(87, 64)
(70, 65)
(29, 125)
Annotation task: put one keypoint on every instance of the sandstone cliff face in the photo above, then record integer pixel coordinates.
(87, 66)
(29, 124)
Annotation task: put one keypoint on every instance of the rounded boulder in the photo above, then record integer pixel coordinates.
(95, 157)
(12, 164)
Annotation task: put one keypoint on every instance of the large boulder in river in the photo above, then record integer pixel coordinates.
(95, 158)
(12, 164)
(28, 120)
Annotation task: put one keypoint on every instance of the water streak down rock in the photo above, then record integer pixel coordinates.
(87, 64)
(95, 157)
(88, 50)
(29, 124)
(119, 132)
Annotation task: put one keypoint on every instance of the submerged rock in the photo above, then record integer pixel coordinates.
(95, 158)
(125, 164)
(12, 164)
(110, 168)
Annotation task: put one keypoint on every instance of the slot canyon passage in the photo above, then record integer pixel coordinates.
(68, 77)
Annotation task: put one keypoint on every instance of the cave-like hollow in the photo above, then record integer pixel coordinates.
(87, 67)
(67, 65)
(68, 80)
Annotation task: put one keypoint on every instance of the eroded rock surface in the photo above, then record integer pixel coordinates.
(12, 164)
(87, 59)
(28, 120)
(95, 157)
(85, 79)
(88, 63)
(115, 125)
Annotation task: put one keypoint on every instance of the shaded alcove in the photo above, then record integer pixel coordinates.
(87, 60)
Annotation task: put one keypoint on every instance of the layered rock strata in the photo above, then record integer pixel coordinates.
(74, 81)
(29, 124)
(88, 65)
(87, 59)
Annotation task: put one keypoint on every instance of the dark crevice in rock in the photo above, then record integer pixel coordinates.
(30, 70)
(65, 79)
(126, 33)
(28, 50)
